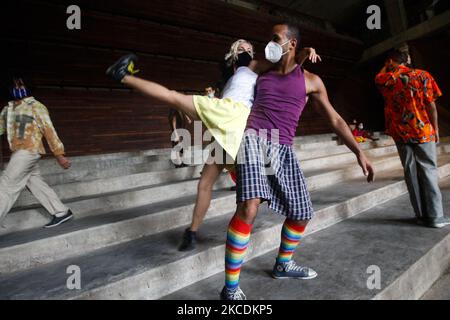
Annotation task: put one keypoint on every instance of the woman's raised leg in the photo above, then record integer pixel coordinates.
(123, 71)
(182, 102)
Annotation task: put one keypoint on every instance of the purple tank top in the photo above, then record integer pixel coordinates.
(279, 102)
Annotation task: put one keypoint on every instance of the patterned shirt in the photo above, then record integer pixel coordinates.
(26, 124)
(408, 94)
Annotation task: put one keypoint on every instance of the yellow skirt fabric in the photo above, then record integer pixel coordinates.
(225, 119)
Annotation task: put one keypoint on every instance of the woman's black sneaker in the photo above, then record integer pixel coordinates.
(123, 67)
(189, 240)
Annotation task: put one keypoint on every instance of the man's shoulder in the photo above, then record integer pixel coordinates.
(311, 77)
(419, 71)
(309, 73)
(423, 74)
(314, 83)
(35, 104)
(412, 72)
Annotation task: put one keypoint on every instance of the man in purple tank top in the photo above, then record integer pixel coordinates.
(267, 167)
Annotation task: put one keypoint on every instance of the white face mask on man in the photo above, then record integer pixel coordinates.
(274, 51)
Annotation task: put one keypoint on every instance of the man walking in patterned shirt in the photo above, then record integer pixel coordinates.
(25, 121)
(412, 121)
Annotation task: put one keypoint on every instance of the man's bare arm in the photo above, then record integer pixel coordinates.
(173, 127)
(433, 114)
(260, 66)
(319, 98)
(188, 119)
(307, 54)
(2, 121)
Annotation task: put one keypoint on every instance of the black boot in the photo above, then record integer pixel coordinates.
(124, 66)
(189, 240)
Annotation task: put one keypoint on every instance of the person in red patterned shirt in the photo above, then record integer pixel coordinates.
(412, 121)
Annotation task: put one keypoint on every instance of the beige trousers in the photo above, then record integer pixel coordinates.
(23, 171)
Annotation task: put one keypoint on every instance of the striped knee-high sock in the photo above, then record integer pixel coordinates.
(238, 237)
(291, 234)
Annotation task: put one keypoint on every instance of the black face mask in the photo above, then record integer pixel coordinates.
(243, 59)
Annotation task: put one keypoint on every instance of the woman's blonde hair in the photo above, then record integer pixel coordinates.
(232, 55)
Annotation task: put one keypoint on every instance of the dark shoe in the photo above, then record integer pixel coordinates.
(124, 66)
(236, 294)
(56, 221)
(189, 241)
(285, 270)
(434, 223)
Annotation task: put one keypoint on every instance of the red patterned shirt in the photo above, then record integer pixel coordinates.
(408, 94)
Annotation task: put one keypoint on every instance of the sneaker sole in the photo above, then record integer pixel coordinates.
(300, 278)
(186, 249)
(109, 70)
(62, 221)
(435, 226)
(440, 226)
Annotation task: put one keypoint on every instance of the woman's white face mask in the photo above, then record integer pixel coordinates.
(274, 51)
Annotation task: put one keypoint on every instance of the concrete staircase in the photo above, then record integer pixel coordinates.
(131, 210)
(440, 290)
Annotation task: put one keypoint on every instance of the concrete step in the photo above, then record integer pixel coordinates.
(97, 187)
(409, 258)
(104, 161)
(326, 142)
(114, 168)
(90, 168)
(104, 168)
(329, 136)
(120, 223)
(151, 267)
(24, 219)
(130, 223)
(440, 289)
(48, 163)
(315, 145)
(339, 149)
(107, 166)
(316, 138)
(37, 216)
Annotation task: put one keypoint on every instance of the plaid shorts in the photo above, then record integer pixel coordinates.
(271, 172)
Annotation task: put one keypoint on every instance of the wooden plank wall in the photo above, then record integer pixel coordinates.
(180, 43)
(435, 61)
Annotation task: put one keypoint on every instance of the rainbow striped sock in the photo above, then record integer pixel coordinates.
(291, 234)
(238, 237)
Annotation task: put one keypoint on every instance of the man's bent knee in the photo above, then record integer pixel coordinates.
(302, 223)
(248, 210)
